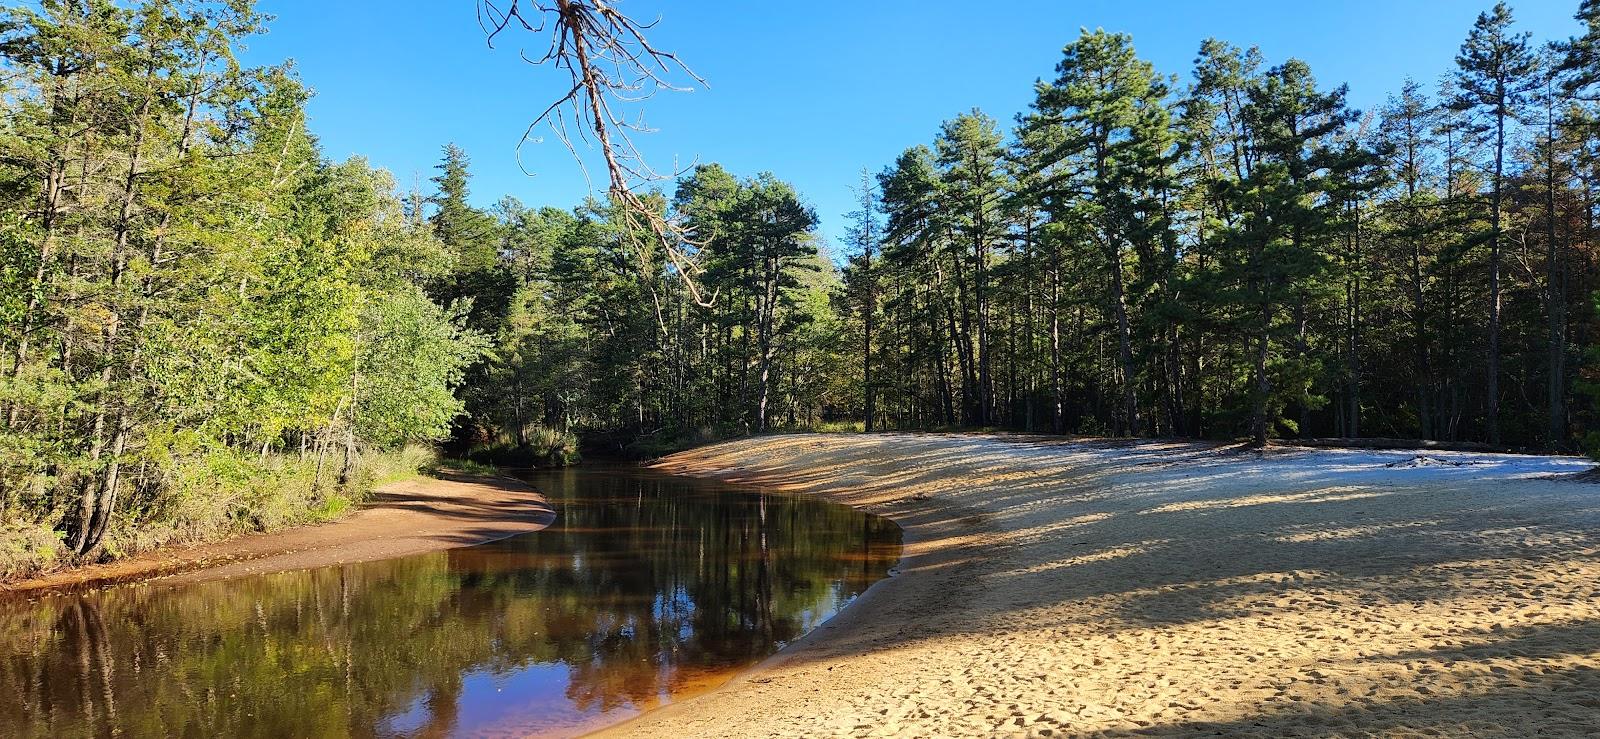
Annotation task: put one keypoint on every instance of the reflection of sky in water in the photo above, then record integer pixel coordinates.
(645, 589)
(406, 722)
(536, 690)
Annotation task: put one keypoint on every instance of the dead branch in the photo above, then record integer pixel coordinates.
(610, 63)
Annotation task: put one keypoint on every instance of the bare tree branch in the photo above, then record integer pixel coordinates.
(611, 64)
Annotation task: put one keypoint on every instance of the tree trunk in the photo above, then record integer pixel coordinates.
(1057, 402)
(870, 408)
(1353, 338)
(1555, 299)
(1258, 411)
(1492, 385)
(1127, 417)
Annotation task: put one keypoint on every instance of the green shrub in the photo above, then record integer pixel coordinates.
(469, 466)
(383, 468)
(544, 447)
(552, 448)
(27, 547)
(215, 495)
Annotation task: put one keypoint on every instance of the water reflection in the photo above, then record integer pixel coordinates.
(644, 589)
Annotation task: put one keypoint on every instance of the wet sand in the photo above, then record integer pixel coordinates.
(1057, 588)
(409, 517)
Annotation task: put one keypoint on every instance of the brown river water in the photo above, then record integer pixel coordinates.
(646, 588)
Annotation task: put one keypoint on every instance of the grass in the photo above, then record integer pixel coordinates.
(468, 466)
(214, 496)
(27, 547)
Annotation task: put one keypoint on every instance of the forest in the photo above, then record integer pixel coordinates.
(1234, 254)
(208, 326)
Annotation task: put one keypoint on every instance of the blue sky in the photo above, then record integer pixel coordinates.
(812, 92)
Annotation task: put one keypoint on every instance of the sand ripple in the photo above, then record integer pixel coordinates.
(1069, 589)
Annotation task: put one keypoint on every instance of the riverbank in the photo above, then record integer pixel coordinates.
(1065, 588)
(407, 517)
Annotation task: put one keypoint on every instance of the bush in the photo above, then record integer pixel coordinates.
(552, 448)
(664, 442)
(385, 467)
(545, 447)
(469, 466)
(27, 547)
(216, 495)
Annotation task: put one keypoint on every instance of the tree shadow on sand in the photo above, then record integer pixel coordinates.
(1017, 535)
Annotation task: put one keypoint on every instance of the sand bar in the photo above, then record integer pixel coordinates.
(1059, 588)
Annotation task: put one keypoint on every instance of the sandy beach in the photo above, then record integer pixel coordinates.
(417, 515)
(1056, 588)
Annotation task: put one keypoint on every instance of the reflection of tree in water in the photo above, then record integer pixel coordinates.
(643, 588)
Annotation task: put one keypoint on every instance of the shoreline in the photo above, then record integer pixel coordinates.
(852, 616)
(1050, 586)
(412, 516)
(908, 513)
(1070, 586)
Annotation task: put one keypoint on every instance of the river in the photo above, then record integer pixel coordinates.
(645, 589)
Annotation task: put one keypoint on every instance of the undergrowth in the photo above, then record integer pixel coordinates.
(540, 447)
(215, 496)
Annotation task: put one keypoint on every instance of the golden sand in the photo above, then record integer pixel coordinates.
(1062, 589)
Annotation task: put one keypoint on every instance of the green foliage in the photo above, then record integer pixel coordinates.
(1241, 254)
(196, 306)
(469, 466)
(597, 339)
(27, 547)
(205, 327)
(553, 448)
(540, 447)
(413, 354)
(223, 493)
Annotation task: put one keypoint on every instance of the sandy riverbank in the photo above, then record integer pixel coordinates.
(409, 517)
(1057, 588)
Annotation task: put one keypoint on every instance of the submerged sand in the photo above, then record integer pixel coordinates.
(1057, 588)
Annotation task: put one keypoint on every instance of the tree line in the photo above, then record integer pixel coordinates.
(1235, 254)
(1244, 254)
(200, 312)
(592, 331)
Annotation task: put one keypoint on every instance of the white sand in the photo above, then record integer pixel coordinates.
(1056, 588)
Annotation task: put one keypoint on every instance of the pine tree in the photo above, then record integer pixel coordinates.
(1495, 74)
(861, 283)
(970, 157)
(471, 238)
(1406, 143)
(1109, 156)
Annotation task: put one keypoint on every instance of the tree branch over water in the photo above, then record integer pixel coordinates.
(611, 64)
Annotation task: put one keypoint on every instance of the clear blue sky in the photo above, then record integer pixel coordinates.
(812, 92)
